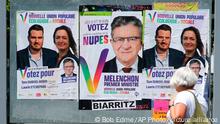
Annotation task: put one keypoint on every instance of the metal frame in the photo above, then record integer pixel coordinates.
(216, 84)
(3, 96)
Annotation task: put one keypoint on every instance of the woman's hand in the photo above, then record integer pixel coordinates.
(177, 111)
(171, 103)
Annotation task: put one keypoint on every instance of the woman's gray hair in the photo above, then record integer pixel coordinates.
(183, 76)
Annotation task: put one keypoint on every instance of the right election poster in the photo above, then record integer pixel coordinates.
(173, 39)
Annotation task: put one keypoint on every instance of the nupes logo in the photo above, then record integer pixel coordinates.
(23, 73)
(152, 17)
(24, 17)
(93, 84)
(149, 72)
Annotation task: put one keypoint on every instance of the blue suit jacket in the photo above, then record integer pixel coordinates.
(49, 58)
(175, 58)
(63, 75)
(111, 66)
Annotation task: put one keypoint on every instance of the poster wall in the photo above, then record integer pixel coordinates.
(107, 48)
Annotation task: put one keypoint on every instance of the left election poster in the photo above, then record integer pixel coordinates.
(47, 54)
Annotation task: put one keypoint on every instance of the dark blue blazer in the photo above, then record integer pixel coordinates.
(111, 65)
(49, 58)
(63, 75)
(175, 58)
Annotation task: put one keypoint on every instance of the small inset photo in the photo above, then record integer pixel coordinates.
(69, 70)
(197, 67)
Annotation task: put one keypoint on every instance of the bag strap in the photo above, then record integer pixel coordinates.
(198, 116)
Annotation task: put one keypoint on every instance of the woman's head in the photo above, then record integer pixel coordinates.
(183, 77)
(191, 40)
(63, 39)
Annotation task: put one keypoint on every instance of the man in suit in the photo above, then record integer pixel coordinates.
(68, 66)
(161, 55)
(126, 43)
(195, 65)
(35, 55)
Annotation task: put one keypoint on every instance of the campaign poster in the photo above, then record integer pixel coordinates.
(96, 51)
(47, 54)
(104, 84)
(176, 50)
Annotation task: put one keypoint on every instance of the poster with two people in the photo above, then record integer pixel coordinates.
(47, 55)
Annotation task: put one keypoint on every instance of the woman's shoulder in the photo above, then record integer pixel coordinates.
(184, 97)
(186, 92)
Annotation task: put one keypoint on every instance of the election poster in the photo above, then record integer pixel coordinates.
(47, 54)
(104, 84)
(171, 40)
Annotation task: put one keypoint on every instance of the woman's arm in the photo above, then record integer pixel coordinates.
(177, 112)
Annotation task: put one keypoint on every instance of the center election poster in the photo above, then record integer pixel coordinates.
(100, 78)
(97, 48)
(110, 41)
